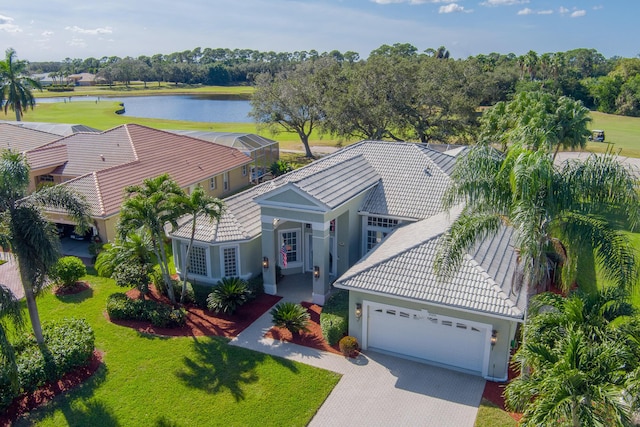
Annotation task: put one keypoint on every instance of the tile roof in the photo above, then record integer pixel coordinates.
(402, 265)
(411, 191)
(22, 139)
(60, 129)
(132, 153)
(245, 142)
(47, 157)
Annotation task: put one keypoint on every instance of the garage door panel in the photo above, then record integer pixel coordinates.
(443, 340)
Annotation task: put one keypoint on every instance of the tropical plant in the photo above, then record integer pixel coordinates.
(150, 207)
(577, 360)
(133, 275)
(15, 85)
(563, 209)
(67, 271)
(280, 167)
(9, 310)
(291, 316)
(25, 230)
(228, 294)
(197, 205)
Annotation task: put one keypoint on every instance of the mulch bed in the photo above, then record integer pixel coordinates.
(312, 338)
(71, 290)
(493, 393)
(202, 322)
(27, 402)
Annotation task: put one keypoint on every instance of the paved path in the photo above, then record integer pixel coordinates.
(377, 389)
(9, 275)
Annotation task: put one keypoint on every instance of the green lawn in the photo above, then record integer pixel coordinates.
(490, 415)
(148, 380)
(152, 88)
(623, 132)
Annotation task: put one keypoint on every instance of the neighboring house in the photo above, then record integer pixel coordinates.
(59, 129)
(367, 219)
(101, 165)
(82, 79)
(45, 79)
(263, 151)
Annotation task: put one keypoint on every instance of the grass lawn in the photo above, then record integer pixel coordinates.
(490, 415)
(148, 380)
(623, 132)
(138, 89)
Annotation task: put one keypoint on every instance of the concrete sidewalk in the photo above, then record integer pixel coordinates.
(378, 389)
(9, 275)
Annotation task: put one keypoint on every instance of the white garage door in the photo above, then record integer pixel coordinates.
(446, 340)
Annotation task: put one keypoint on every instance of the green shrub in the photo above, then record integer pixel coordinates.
(69, 344)
(121, 307)
(291, 316)
(229, 294)
(349, 346)
(280, 167)
(132, 275)
(67, 271)
(200, 294)
(256, 286)
(334, 319)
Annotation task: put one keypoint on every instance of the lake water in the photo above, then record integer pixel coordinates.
(195, 108)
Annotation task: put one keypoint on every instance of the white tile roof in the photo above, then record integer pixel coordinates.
(412, 179)
(402, 265)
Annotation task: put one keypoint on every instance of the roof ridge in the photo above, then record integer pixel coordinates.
(133, 145)
(28, 129)
(499, 291)
(99, 193)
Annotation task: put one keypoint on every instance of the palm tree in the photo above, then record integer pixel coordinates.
(150, 207)
(27, 233)
(578, 361)
(197, 204)
(552, 209)
(9, 309)
(16, 85)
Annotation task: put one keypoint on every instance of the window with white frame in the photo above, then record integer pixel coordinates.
(225, 181)
(213, 183)
(244, 170)
(290, 243)
(198, 261)
(230, 262)
(377, 229)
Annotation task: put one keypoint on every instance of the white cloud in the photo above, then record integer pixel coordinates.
(77, 43)
(525, 11)
(598, 7)
(410, 1)
(503, 2)
(46, 33)
(451, 8)
(563, 10)
(578, 13)
(545, 12)
(76, 29)
(7, 25)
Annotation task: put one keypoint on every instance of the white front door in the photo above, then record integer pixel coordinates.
(444, 340)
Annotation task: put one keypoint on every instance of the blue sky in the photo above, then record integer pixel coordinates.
(53, 30)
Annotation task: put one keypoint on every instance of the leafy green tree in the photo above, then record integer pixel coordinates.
(197, 205)
(9, 310)
(577, 359)
(564, 209)
(150, 207)
(537, 120)
(292, 100)
(15, 85)
(135, 248)
(25, 230)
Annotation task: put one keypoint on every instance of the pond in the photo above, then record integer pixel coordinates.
(195, 108)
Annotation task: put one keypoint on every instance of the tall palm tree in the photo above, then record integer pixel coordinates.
(197, 204)
(16, 85)
(135, 249)
(9, 310)
(552, 209)
(25, 230)
(151, 206)
(578, 361)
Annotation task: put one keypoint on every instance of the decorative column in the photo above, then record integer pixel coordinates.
(320, 275)
(269, 255)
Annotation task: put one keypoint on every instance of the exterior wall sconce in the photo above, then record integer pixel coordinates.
(316, 271)
(265, 263)
(358, 310)
(494, 338)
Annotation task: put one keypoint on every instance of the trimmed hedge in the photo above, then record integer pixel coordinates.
(121, 307)
(69, 344)
(334, 319)
(67, 271)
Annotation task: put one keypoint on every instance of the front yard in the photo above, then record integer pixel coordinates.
(149, 380)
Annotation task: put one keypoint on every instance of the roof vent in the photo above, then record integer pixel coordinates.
(102, 157)
(427, 171)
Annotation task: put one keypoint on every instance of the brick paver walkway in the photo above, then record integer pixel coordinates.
(9, 275)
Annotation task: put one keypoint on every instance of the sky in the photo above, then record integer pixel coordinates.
(54, 30)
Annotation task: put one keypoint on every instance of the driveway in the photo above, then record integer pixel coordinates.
(9, 276)
(378, 389)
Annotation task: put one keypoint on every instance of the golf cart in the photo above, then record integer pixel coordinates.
(597, 135)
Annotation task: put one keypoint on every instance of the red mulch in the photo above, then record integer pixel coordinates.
(493, 393)
(204, 322)
(27, 402)
(313, 338)
(71, 290)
